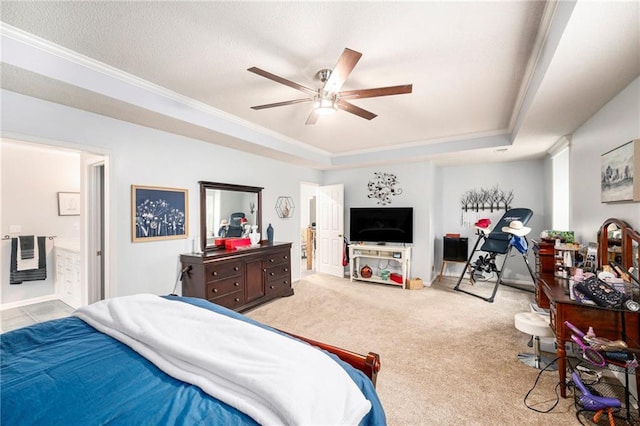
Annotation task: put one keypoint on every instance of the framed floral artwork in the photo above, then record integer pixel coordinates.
(159, 213)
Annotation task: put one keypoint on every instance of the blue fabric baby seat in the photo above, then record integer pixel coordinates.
(498, 242)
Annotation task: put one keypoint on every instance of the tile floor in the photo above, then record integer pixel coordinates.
(23, 316)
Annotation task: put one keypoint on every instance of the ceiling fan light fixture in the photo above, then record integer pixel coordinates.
(329, 98)
(325, 106)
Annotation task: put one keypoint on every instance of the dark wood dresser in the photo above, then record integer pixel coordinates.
(239, 279)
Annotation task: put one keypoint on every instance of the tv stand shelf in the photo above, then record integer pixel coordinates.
(398, 260)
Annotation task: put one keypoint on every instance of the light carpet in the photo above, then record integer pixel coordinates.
(448, 358)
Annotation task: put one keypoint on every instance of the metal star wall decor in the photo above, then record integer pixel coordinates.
(383, 187)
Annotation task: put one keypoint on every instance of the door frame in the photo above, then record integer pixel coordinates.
(305, 189)
(96, 227)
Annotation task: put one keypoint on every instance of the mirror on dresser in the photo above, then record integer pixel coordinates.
(633, 239)
(619, 242)
(228, 210)
(610, 242)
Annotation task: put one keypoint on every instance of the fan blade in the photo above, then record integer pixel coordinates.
(379, 91)
(346, 106)
(341, 71)
(277, 104)
(284, 81)
(313, 117)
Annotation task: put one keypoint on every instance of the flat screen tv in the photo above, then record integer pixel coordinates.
(381, 224)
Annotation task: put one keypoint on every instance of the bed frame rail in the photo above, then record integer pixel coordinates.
(369, 364)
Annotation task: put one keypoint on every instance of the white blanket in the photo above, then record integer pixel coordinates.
(272, 378)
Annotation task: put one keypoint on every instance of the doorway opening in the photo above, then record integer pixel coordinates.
(74, 275)
(308, 197)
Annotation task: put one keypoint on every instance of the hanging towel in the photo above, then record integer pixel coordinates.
(26, 246)
(40, 273)
(27, 263)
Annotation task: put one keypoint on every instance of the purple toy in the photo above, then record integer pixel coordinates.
(591, 402)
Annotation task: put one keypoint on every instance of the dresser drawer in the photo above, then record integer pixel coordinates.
(222, 270)
(278, 285)
(222, 287)
(276, 258)
(231, 300)
(278, 271)
(237, 279)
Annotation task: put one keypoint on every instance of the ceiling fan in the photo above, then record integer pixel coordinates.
(328, 98)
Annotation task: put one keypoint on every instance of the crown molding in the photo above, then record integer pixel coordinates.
(559, 146)
(96, 76)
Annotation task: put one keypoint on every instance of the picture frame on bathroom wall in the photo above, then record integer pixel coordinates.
(68, 204)
(620, 173)
(159, 213)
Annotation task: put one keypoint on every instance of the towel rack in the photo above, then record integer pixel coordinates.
(51, 237)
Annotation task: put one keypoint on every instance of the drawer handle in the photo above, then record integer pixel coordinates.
(271, 273)
(214, 273)
(285, 257)
(285, 282)
(237, 299)
(286, 270)
(235, 268)
(264, 269)
(272, 287)
(271, 260)
(236, 284)
(215, 290)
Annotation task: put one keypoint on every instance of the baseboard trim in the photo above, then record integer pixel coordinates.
(25, 302)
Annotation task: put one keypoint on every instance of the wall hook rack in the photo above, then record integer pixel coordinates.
(492, 199)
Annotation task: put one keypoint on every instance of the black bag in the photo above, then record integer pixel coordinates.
(605, 295)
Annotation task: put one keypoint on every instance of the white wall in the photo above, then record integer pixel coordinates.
(616, 123)
(148, 157)
(527, 181)
(415, 180)
(144, 156)
(32, 177)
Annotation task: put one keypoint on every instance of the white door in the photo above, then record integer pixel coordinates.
(330, 230)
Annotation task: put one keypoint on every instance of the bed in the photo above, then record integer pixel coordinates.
(65, 371)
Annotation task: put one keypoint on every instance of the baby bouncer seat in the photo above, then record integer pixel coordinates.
(508, 233)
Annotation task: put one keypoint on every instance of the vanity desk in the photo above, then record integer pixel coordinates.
(239, 279)
(552, 293)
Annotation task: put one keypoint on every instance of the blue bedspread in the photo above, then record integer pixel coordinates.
(65, 372)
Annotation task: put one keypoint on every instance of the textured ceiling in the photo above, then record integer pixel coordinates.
(484, 74)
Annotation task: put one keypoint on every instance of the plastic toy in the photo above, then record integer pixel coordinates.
(591, 402)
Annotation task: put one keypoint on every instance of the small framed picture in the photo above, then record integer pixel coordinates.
(159, 213)
(68, 204)
(619, 179)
